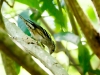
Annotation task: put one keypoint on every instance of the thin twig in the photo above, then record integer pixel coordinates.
(9, 4)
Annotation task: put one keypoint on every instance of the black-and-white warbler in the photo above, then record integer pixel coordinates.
(40, 34)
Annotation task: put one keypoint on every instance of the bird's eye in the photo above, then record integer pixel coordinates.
(26, 23)
(53, 50)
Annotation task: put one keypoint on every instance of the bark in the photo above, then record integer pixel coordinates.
(92, 36)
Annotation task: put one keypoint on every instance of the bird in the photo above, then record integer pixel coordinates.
(40, 34)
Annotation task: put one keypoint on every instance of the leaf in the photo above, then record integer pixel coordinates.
(84, 57)
(17, 68)
(91, 14)
(67, 36)
(35, 16)
(97, 72)
(50, 7)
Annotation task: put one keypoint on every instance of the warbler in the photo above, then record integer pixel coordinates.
(40, 34)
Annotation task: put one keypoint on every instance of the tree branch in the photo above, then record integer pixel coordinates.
(31, 46)
(9, 65)
(10, 49)
(92, 36)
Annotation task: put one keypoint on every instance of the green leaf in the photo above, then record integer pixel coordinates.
(35, 16)
(84, 57)
(67, 36)
(97, 72)
(17, 68)
(91, 14)
(59, 17)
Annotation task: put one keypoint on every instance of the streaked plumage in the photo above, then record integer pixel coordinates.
(40, 34)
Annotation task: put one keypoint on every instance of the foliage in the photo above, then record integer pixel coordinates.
(66, 26)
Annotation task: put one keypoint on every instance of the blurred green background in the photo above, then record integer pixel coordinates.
(72, 50)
